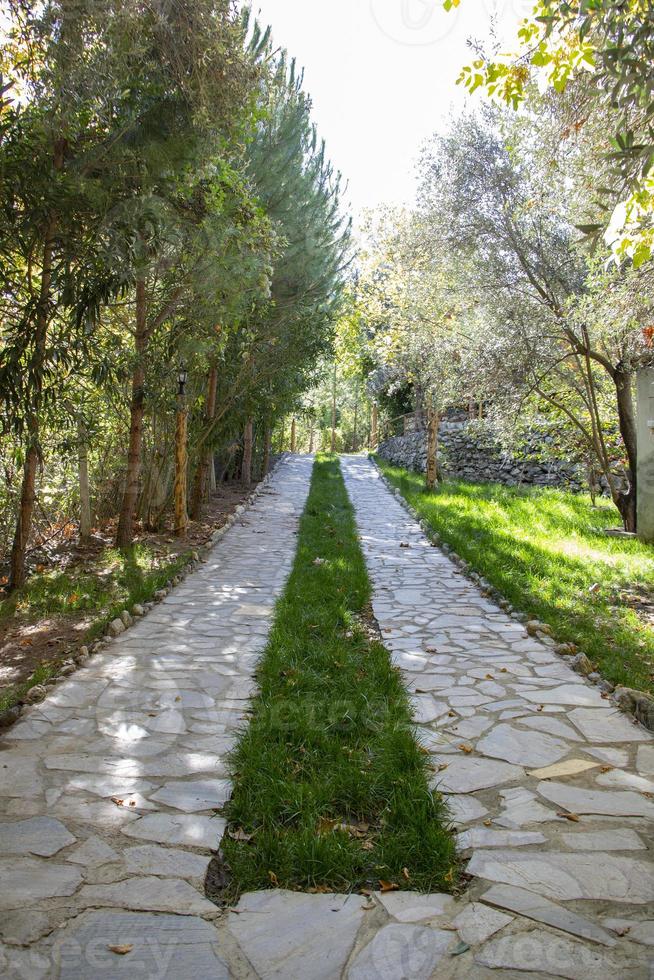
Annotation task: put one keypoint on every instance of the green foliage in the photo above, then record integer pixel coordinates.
(329, 760)
(612, 44)
(543, 550)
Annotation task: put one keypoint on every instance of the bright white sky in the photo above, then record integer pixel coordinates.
(382, 77)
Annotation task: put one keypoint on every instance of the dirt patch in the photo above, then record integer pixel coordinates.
(28, 643)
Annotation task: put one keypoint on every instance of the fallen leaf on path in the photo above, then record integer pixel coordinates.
(121, 950)
(569, 816)
(388, 886)
(466, 748)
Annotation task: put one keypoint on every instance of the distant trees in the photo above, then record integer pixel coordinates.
(486, 292)
(164, 199)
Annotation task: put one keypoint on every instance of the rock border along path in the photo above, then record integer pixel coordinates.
(107, 788)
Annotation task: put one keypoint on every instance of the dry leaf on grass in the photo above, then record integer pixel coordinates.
(240, 835)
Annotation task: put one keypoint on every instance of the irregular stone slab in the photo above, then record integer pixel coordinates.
(150, 859)
(486, 837)
(551, 955)
(645, 759)
(44, 836)
(540, 909)
(286, 934)
(521, 808)
(554, 726)
(626, 780)
(22, 927)
(467, 774)
(520, 747)
(637, 932)
(169, 828)
(19, 775)
(26, 881)
(615, 839)
(400, 951)
(607, 725)
(149, 893)
(575, 694)
(568, 876)
(92, 852)
(194, 795)
(614, 804)
(464, 809)
(478, 922)
(614, 757)
(170, 946)
(409, 907)
(569, 767)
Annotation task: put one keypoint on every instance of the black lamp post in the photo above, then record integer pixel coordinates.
(181, 460)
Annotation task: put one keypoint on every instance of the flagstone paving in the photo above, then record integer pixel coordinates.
(517, 740)
(108, 788)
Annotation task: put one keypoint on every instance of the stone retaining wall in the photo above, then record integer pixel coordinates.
(469, 455)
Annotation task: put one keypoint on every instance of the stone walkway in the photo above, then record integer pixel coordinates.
(518, 741)
(107, 788)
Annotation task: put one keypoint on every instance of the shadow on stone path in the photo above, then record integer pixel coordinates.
(107, 788)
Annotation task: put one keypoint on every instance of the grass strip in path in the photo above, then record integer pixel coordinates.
(545, 551)
(331, 789)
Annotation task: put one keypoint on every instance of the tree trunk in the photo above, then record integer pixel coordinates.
(373, 428)
(355, 433)
(83, 477)
(125, 532)
(311, 431)
(246, 467)
(293, 436)
(627, 420)
(212, 473)
(432, 448)
(267, 439)
(27, 497)
(181, 465)
(333, 441)
(206, 452)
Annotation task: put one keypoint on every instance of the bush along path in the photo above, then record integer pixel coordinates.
(331, 788)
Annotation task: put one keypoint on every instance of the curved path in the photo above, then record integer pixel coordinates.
(107, 788)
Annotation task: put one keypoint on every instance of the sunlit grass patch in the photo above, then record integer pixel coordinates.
(543, 550)
(331, 790)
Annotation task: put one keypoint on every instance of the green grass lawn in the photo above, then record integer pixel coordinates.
(331, 789)
(97, 592)
(544, 550)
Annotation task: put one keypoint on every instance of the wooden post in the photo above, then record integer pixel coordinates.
(432, 446)
(246, 468)
(181, 465)
(293, 436)
(373, 427)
